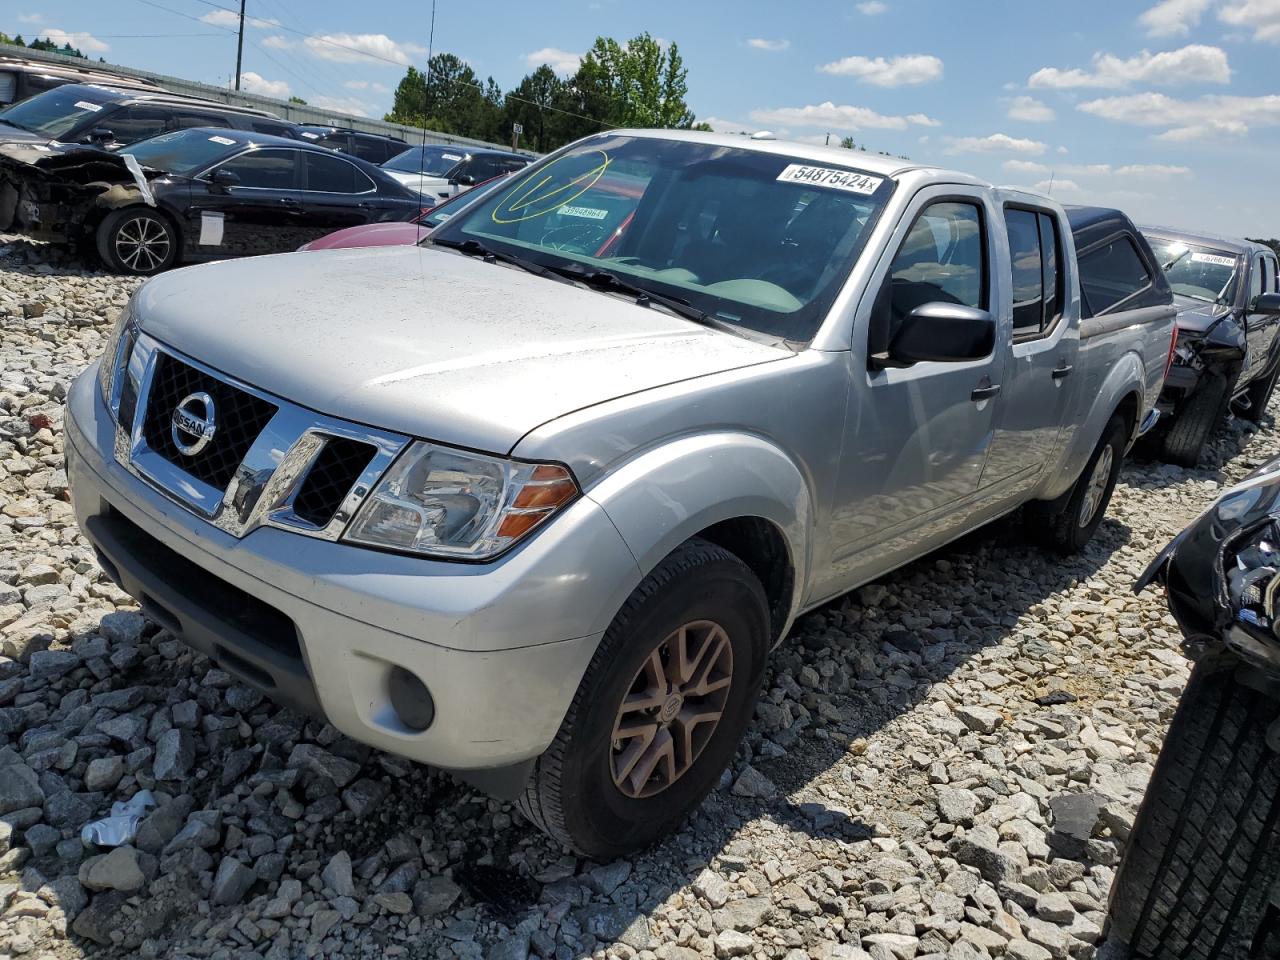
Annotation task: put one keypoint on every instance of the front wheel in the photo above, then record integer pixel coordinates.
(661, 709)
(1067, 524)
(137, 240)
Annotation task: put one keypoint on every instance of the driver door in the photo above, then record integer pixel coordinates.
(260, 211)
(917, 437)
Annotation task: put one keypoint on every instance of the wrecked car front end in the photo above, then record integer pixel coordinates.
(57, 194)
(1210, 342)
(1221, 575)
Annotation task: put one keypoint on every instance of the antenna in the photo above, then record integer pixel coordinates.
(426, 100)
(1049, 192)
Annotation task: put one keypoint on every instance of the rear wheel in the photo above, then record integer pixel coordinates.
(1196, 419)
(1065, 525)
(661, 709)
(1205, 847)
(137, 240)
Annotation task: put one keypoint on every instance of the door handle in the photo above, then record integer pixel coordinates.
(985, 392)
(290, 204)
(1062, 371)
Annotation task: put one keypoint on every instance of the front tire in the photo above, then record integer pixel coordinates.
(1199, 416)
(661, 710)
(1065, 527)
(138, 241)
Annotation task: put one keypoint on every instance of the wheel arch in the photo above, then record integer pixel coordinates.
(736, 490)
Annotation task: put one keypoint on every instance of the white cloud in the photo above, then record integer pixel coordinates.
(838, 117)
(228, 18)
(1261, 16)
(1060, 186)
(899, 71)
(1029, 110)
(1195, 63)
(30, 18)
(1173, 18)
(760, 43)
(1145, 170)
(277, 42)
(872, 8)
(362, 47)
(86, 42)
(367, 85)
(1207, 116)
(561, 61)
(351, 105)
(256, 83)
(995, 143)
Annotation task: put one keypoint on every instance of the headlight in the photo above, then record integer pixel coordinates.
(119, 347)
(453, 504)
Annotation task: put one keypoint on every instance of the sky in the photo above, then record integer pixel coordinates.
(1169, 110)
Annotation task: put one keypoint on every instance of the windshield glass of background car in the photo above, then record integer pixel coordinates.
(57, 112)
(183, 152)
(1196, 271)
(446, 209)
(749, 238)
(431, 161)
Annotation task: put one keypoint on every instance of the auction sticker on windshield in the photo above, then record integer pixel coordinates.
(587, 213)
(225, 141)
(86, 105)
(830, 177)
(1214, 259)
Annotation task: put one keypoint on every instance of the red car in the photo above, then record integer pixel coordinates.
(400, 234)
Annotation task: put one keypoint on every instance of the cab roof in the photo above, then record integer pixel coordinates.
(108, 93)
(1236, 245)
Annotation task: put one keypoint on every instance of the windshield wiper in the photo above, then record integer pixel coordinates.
(608, 281)
(474, 248)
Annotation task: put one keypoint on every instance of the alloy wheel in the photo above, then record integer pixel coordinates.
(671, 709)
(142, 244)
(1097, 486)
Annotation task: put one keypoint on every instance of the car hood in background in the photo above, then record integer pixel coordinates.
(1196, 315)
(396, 234)
(427, 342)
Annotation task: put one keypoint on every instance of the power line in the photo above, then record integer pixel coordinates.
(395, 63)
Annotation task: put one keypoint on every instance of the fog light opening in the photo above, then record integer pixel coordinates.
(410, 699)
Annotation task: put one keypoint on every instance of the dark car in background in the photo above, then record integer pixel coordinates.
(232, 194)
(373, 147)
(1227, 357)
(21, 78)
(112, 117)
(439, 172)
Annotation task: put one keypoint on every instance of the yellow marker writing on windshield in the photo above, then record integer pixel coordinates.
(544, 196)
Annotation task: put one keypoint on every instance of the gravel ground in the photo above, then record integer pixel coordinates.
(945, 764)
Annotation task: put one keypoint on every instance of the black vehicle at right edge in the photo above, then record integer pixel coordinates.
(1227, 354)
(1200, 876)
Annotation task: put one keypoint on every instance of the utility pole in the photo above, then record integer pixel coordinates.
(828, 143)
(240, 44)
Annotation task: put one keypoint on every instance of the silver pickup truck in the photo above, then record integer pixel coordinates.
(532, 501)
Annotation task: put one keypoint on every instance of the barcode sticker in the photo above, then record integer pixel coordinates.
(831, 178)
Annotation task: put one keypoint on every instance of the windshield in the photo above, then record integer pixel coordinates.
(443, 211)
(1196, 271)
(749, 239)
(431, 161)
(183, 152)
(55, 113)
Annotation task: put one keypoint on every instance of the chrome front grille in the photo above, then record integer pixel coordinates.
(267, 462)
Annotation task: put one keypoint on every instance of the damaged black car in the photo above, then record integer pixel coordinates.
(192, 195)
(1201, 871)
(1227, 357)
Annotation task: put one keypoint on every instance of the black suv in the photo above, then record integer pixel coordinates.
(1227, 355)
(110, 117)
(374, 147)
(21, 78)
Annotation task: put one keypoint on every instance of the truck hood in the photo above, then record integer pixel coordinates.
(1197, 316)
(426, 342)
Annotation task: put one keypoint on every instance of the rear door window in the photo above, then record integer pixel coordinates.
(1111, 273)
(329, 174)
(1035, 251)
(138, 122)
(186, 119)
(368, 148)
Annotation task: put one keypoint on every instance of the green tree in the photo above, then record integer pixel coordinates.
(297, 99)
(542, 104)
(453, 101)
(641, 84)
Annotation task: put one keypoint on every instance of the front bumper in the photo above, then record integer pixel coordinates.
(501, 647)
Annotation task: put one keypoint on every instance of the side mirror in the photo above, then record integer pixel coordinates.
(943, 332)
(465, 179)
(1267, 304)
(98, 136)
(224, 177)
